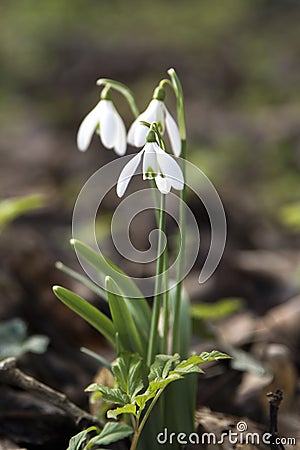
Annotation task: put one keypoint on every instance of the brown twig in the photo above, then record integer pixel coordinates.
(275, 399)
(11, 375)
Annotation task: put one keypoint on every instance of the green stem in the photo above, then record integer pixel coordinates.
(124, 90)
(181, 238)
(158, 284)
(144, 420)
(180, 267)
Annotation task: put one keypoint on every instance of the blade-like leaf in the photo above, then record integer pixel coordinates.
(76, 441)
(185, 322)
(127, 409)
(111, 432)
(134, 298)
(123, 321)
(112, 395)
(128, 373)
(97, 357)
(88, 312)
(107, 268)
(85, 281)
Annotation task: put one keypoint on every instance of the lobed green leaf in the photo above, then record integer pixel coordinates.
(111, 432)
(127, 409)
(79, 439)
(112, 395)
(128, 373)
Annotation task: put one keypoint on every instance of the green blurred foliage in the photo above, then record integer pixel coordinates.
(239, 59)
(12, 208)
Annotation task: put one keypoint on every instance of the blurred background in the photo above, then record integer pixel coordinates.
(239, 64)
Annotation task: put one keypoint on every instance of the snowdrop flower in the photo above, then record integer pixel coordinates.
(157, 164)
(155, 112)
(105, 121)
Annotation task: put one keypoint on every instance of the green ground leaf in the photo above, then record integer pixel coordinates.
(128, 373)
(214, 355)
(111, 432)
(111, 395)
(127, 409)
(87, 311)
(162, 365)
(76, 441)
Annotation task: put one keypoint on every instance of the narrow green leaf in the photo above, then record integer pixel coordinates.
(135, 300)
(111, 395)
(84, 280)
(185, 322)
(127, 409)
(111, 432)
(76, 441)
(107, 268)
(123, 321)
(97, 357)
(87, 311)
(128, 373)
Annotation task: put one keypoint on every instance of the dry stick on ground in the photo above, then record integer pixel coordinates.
(275, 399)
(11, 375)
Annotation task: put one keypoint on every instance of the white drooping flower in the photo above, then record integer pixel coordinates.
(155, 112)
(157, 164)
(105, 120)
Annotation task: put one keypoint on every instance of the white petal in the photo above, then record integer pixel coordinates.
(173, 133)
(170, 168)
(87, 128)
(108, 123)
(127, 173)
(140, 134)
(120, 141)
(163, 184)
(150, 160)
(153, 113)
(132, 131)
